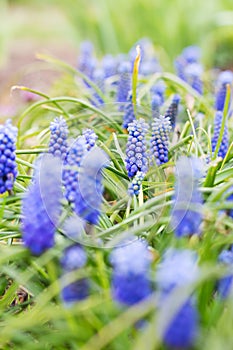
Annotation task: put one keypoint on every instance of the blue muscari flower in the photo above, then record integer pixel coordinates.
(193, 73)
(177, 269)
(71, 168)
(230, 198)
(129, 115)
(197, 84)
(225, 284)
(121, 58)
(191, 54)
(220, 98)
(74, 227)
(135, 185)
(186, 215)
(99, 79)
(124, 83)
(73, 258)
(109, 64)
(161, 128)
(225, 139)
(180, 65)
(90, 188)
(130, 279)
(8, 167)
(159, 89)
(183, 329)
(156, 102)
(172, 110)
(90, 137)
(136, 156)
(224, 79)
(58, 138)
(75, 291)
(41, 205)
(86, 60)
(149, 66)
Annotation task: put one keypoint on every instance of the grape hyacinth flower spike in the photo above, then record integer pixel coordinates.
(58, 139)
(41, 205)
(230, 198)
(130, 279)
(156, 103)
(172, 110)
(180, 65)
(186, 215)
(149, 66)
(225, 138)
(124, 83)
(90, 137)
(86, 60)
(99, 80)
(90, 188)
(161, 128)
(225, 78)
(72, 165)
(129, 115)
(177, 324)
(135, 185)
(189, 56)
(74, 228)
(109, 64)
(193, 73)
(136, 156)
(8, 167)
(159, 89)
(73, 258)
(225, 284)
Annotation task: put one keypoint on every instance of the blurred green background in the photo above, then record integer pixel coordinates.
(58, 27)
